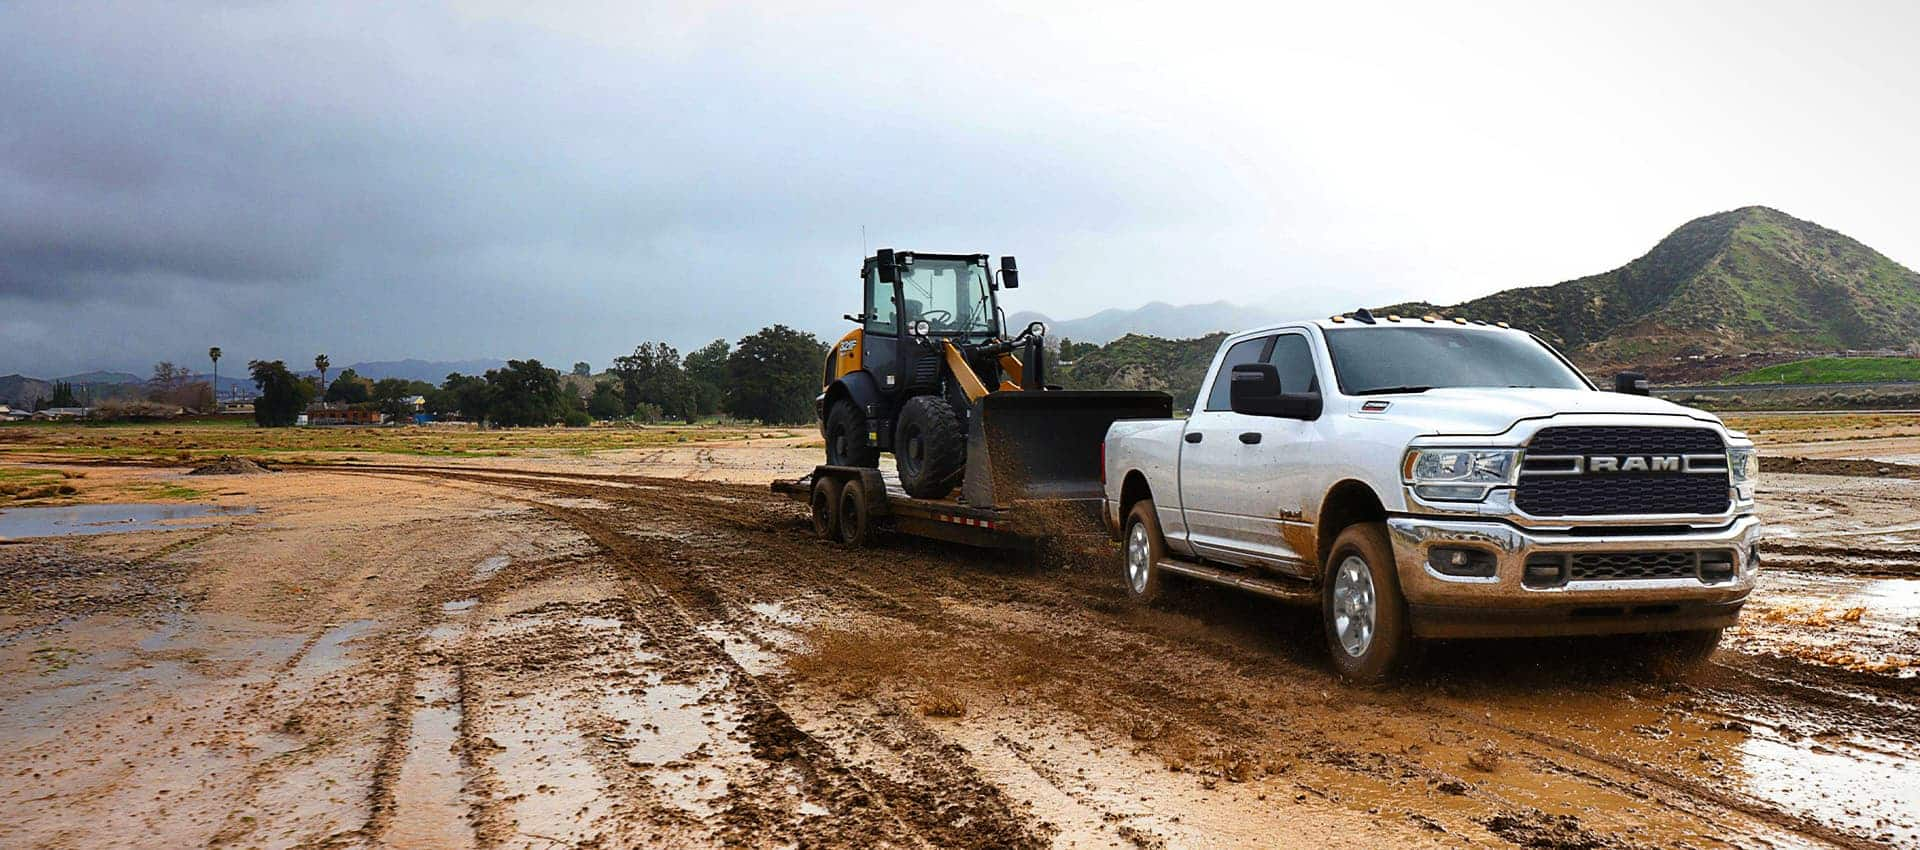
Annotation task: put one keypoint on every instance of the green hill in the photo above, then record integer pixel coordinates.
(1136, 362)
(1834, 370)
(1753, 279)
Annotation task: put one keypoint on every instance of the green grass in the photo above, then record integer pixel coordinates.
(1833, 370)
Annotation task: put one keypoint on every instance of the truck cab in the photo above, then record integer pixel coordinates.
(1438, 478)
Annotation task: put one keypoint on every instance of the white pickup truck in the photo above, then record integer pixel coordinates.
(1433, 478)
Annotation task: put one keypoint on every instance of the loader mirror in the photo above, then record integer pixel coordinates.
(1256, 391)
(1009, 273)
(1632, 383)
(884, 263)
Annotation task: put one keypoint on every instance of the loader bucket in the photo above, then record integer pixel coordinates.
(1024, 446)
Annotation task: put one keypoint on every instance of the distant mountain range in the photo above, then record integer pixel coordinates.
(1745, 282)
(1156, 319)
(1749, 280)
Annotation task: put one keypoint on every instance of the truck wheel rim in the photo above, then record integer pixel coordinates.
(1353, 606)
(1137, 558)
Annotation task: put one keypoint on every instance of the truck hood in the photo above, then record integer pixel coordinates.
(1468, 411)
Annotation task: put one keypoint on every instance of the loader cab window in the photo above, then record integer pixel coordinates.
(1244, 351)
(880, 306)
(951, 295)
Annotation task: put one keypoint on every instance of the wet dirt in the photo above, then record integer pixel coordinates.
(451, 656)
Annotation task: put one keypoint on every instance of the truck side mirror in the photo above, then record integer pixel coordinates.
(1632, 383)
(883, 262)
(1256, 391)
(1009, 273)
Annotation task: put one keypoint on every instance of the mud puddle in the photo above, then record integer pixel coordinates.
(1864, 625)
(80, 520)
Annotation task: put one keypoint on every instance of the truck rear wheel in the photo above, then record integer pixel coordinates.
(1141, 550)
(930, 448)
(846, 434)
(825, 503)
(1364, 614)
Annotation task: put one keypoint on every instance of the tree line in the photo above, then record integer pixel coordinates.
(771, 376)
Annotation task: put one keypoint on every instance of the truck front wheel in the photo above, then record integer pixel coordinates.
(1142, 548)
(1365, 616)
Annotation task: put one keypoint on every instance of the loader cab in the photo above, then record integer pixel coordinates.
(954, 294)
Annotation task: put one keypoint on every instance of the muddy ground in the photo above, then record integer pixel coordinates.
(643, 649)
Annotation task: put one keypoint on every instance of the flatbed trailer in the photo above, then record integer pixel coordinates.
(853, 504)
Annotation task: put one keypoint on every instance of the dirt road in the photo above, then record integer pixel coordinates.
(562, 654)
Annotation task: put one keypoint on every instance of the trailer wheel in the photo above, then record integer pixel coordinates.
(826, 508)
(1361, 606)
(930, 448)
(1141, 550)
(846, 434)
(856, 518)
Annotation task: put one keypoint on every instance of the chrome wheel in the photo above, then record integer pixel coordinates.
(1139, 558)
(1353, 606)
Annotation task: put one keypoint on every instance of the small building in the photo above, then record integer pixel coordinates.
(340, 414)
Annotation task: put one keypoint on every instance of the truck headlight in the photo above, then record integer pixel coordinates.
(1743, 464)
(1460, 475)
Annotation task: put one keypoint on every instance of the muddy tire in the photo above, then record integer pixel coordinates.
(930, 447)
(1360, 604)
(825, 505)
(846, 434)
(1141, 551)
(856, 516)
(1675, 655)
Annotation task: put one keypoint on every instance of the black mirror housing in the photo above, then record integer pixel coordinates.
(884, 262)
(1009, 273)
(1632, 383)
(1256, 391)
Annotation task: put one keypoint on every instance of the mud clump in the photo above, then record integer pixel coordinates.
(230, 465)
(1535, 828)
(942, 701)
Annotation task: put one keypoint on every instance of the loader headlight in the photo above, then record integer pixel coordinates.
(920, 327)
(1743, 465)
(1460, 475)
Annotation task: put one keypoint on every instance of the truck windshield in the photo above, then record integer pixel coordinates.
(952, 295)
(1376, 360)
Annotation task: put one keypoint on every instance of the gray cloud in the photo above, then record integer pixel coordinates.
(388, 180)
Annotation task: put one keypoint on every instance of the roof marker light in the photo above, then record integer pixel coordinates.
(1392, 318)
(1503, 324)
(1459, 321)
(1336, 319)
(1429, 318)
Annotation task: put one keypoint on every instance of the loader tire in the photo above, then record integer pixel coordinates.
(930, 448)
(846, 434)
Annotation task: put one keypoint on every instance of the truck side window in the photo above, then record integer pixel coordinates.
(880, 305)
(1294, 359)
(1244, 351)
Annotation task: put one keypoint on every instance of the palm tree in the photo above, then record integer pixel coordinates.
(214, 353)
(321, 362)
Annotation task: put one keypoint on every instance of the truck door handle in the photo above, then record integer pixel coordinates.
(1250, 437)
(1194, 436)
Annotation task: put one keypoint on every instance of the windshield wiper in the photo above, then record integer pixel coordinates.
(1391, 390)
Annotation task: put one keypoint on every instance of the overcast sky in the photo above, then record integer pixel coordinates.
(384, 180)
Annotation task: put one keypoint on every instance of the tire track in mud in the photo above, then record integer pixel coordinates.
(686, 580)
(946, 804)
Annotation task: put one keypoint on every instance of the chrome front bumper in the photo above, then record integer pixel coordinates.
(1502, 605)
